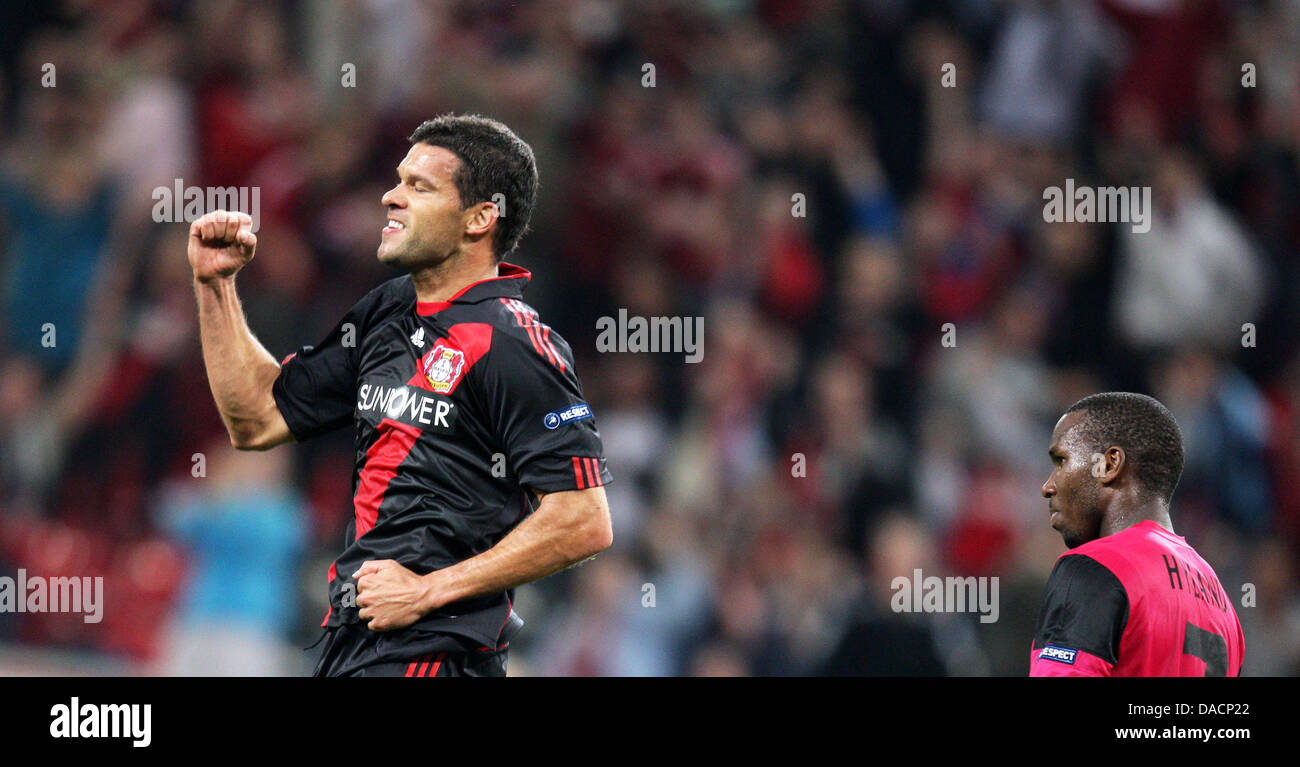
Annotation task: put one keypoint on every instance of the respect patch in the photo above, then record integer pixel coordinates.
(1058, 654)
(558, 418)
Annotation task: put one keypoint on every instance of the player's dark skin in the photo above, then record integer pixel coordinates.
(1091, 494)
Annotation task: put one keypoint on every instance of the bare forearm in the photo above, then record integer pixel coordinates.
(556, 536)
(240, 370)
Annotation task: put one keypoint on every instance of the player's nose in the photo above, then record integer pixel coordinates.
(1049, 488)
(391, 198)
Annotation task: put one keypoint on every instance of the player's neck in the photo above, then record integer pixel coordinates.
(439, 283)
(1124, 516)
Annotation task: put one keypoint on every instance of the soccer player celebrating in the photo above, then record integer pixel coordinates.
(478, 466)
(1129, 598)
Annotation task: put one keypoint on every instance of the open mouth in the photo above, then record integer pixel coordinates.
(393, 225)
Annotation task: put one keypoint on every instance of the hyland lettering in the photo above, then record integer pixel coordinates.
(1183, 577)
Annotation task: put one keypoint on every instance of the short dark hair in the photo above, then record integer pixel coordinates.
(493, 160)
(1143, 427)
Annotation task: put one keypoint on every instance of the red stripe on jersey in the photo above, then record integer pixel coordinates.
(595, 472)
(527, 320)
(334, 571)
(285, 361)
(546, 333)
(586, 465)
(535, 333)
(410, 670)
(434, 670)
(382, 459)
(577, 474)
(424, 665)
(537, 328)
(519, 319)
(541, 333)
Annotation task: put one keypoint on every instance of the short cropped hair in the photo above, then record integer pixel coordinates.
(1143, 428)
(493, 161)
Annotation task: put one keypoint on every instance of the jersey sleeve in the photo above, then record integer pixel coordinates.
(539, 417)
(316, 388)
(1081, 622)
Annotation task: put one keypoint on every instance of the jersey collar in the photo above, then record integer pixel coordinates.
(509, 283)
(1154, 526)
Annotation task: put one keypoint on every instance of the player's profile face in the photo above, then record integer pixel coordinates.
(1071, 490)
(423, 223)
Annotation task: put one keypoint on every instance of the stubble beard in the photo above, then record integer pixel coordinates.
(411, 254)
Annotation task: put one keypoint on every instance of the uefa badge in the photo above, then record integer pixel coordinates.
(442, 368)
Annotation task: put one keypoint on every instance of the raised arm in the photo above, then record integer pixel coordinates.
(240, 370)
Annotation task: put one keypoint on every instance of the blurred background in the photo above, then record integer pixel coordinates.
(798, 175)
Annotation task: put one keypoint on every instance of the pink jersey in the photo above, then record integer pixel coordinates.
(1140, 602)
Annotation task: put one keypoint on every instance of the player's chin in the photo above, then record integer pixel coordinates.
(1072, 539)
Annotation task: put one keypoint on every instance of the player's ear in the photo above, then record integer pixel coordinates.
(1112, 463)
(481, 218)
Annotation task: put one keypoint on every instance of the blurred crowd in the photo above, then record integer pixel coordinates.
(848, 191)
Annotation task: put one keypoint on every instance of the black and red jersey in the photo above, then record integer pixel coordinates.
(460, 408)
(1140, 602)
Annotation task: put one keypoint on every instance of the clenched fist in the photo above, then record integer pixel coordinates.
(221, 242)
(390, 596)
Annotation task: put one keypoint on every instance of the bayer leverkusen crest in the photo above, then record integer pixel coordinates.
(442, 368)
